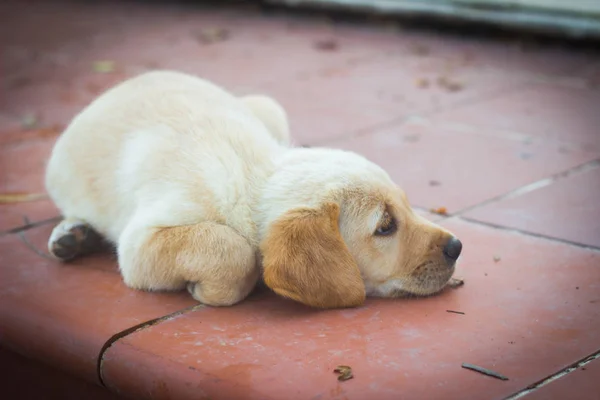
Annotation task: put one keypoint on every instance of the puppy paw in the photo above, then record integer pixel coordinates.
(72, 238)
(216, 297)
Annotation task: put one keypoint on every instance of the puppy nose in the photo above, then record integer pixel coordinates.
(452, 249)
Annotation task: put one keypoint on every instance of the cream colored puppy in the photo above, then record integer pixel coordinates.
(199, 188)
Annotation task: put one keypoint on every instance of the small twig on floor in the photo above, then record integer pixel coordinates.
(484, 371)
(32, 247)
(455, 312)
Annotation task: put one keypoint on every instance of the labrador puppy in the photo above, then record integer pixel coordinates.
(198, 188)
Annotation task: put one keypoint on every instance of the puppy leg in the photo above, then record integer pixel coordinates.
(272, 115)
(217, 265)
(73, 237)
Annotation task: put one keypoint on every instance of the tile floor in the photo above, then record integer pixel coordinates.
(506, 136)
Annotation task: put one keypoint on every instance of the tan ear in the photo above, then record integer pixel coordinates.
(306, 259)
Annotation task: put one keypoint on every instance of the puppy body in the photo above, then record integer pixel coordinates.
(198, 187)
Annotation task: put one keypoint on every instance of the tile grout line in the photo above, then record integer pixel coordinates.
(557, 375)
(587, 166)
(136, 328)
(427, 114)
(525, 233)
(30, 225)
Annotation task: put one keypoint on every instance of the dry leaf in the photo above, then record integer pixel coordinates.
(213, 35)
(104, 66)
(420, 49)
(423, 83)
(344, 371)
(439, 211)
(9, 198)
(449, 84)
(326, 45)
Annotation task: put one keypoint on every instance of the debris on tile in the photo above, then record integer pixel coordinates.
(326, 45)
(9, 198)
(455, 312)
(104, 66)
(455, 283)
(449, 84)
(423, 83)
(29, 121)
(212, 35)
(433, 182)
(497, 258)
(439, 211)
(412, 138)
(420, 50)
(344, 371)
(484, 371)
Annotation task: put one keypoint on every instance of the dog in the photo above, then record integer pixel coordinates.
(198, 188)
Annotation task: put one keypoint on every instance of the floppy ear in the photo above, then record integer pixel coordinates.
(306, 259)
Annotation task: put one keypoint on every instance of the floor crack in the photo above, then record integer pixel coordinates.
(136, 328)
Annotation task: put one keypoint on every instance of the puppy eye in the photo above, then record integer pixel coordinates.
(387, 227)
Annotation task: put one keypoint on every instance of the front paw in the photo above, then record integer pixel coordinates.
(214, 295)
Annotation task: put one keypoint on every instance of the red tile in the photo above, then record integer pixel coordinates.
(429, 215)
(62, 314)
(560, 113)
(441, 167)
(580, 384)
(567, 209)
(23, 378)
(19, 215)
(513, 55)
(54, 80)
(269, 348)
(8, 123)
(351, 99)
(23, 157)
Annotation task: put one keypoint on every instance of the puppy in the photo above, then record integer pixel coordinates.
(196, 187)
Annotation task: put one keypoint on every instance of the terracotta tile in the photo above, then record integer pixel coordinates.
(23, 378)
(543, 111)
(23, 158)
(19, 215)
(581, 384)
(54, 80)
(64, 313)
(429, 215)
(515, 55)
(8, 123)
(440, 167)
(351, 99)
(567, 209)
(269, 348)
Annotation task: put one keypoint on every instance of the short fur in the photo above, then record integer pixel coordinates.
(198, 188)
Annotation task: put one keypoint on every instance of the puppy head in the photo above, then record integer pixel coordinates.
(351, 234)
